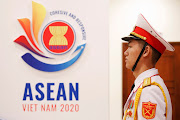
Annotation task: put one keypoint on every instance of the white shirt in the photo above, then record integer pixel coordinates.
(152, 94)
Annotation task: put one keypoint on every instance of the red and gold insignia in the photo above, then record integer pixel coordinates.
(148, 110)
(129, 113)
(130, 105)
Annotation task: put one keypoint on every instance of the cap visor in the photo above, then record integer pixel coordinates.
(130, 37)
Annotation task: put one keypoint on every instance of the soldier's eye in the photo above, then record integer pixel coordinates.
(129, 46)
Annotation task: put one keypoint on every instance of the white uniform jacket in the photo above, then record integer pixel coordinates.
(151, 103)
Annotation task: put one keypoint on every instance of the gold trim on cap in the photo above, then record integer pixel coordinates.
(137, 35)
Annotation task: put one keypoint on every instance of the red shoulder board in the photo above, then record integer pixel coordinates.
(148, 110)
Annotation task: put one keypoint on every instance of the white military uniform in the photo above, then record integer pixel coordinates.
(150, 98)
(151, 104)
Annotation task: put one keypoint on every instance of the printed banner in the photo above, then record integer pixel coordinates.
(54, 60)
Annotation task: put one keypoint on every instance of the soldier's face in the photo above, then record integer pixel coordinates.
(132, 53)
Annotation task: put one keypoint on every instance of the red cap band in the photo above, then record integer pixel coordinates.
(150, 39)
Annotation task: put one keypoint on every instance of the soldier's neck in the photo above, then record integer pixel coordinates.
(141, 69)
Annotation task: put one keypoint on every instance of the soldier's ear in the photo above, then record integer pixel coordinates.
(147, 51)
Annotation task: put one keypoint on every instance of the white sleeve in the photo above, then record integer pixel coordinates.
(152, 98)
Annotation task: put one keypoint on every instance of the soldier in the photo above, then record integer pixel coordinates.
(149, 98)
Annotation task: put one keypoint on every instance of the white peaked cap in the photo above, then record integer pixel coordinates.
(143, 30)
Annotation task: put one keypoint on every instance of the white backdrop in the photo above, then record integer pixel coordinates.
(90, 70)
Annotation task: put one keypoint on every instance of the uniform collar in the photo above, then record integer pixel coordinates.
(142, 76)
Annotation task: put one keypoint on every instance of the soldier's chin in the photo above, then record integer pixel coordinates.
(128, 66)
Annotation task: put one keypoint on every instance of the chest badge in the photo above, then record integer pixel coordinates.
(129, 113)
(131, 103)
(148, 110)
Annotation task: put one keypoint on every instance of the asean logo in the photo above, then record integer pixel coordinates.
(58, 37)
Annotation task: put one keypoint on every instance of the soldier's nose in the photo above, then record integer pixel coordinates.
(126, 53)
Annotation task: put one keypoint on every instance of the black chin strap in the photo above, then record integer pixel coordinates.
(139, 56)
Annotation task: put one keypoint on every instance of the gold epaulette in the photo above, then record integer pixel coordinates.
(146, 82)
